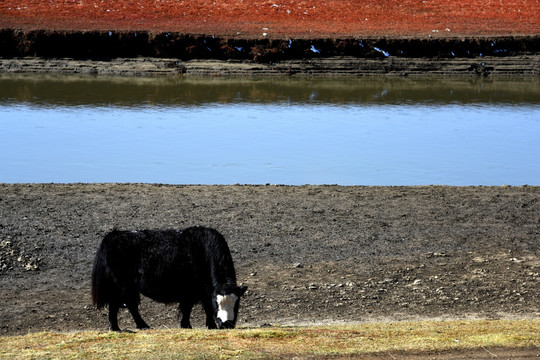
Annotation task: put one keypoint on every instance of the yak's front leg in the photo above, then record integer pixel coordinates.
(185, 308)
(209, 310)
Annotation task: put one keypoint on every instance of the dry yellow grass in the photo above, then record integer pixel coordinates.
(276, 341)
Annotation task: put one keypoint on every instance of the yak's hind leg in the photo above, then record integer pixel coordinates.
(113, 316)
(185, 308)
(129, 299)
(133, 308)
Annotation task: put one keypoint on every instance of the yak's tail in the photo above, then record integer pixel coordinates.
(100, 280)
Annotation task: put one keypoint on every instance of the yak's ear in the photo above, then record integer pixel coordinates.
(240, 291)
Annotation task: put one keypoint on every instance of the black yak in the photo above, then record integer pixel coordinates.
(185, 266)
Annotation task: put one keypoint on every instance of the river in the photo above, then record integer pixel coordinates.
(354, 131)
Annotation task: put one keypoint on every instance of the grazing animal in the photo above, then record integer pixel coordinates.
(185, 266)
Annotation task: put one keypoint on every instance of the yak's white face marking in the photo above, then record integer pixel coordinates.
(226, 304)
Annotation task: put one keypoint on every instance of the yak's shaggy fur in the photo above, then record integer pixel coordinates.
(189, 266)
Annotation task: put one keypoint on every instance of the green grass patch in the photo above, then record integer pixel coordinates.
(275, 342)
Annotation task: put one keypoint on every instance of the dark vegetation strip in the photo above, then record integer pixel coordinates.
(114, 44)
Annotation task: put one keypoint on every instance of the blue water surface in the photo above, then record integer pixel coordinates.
(410, 143)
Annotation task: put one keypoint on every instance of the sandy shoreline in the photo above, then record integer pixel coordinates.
(351, 253)
(528, 66)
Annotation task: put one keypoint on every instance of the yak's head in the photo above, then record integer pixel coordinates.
(226, 304)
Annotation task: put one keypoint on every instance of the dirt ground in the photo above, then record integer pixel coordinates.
(309, 254)
(278, 19)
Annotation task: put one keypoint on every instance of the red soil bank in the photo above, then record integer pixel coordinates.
(280, 18)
